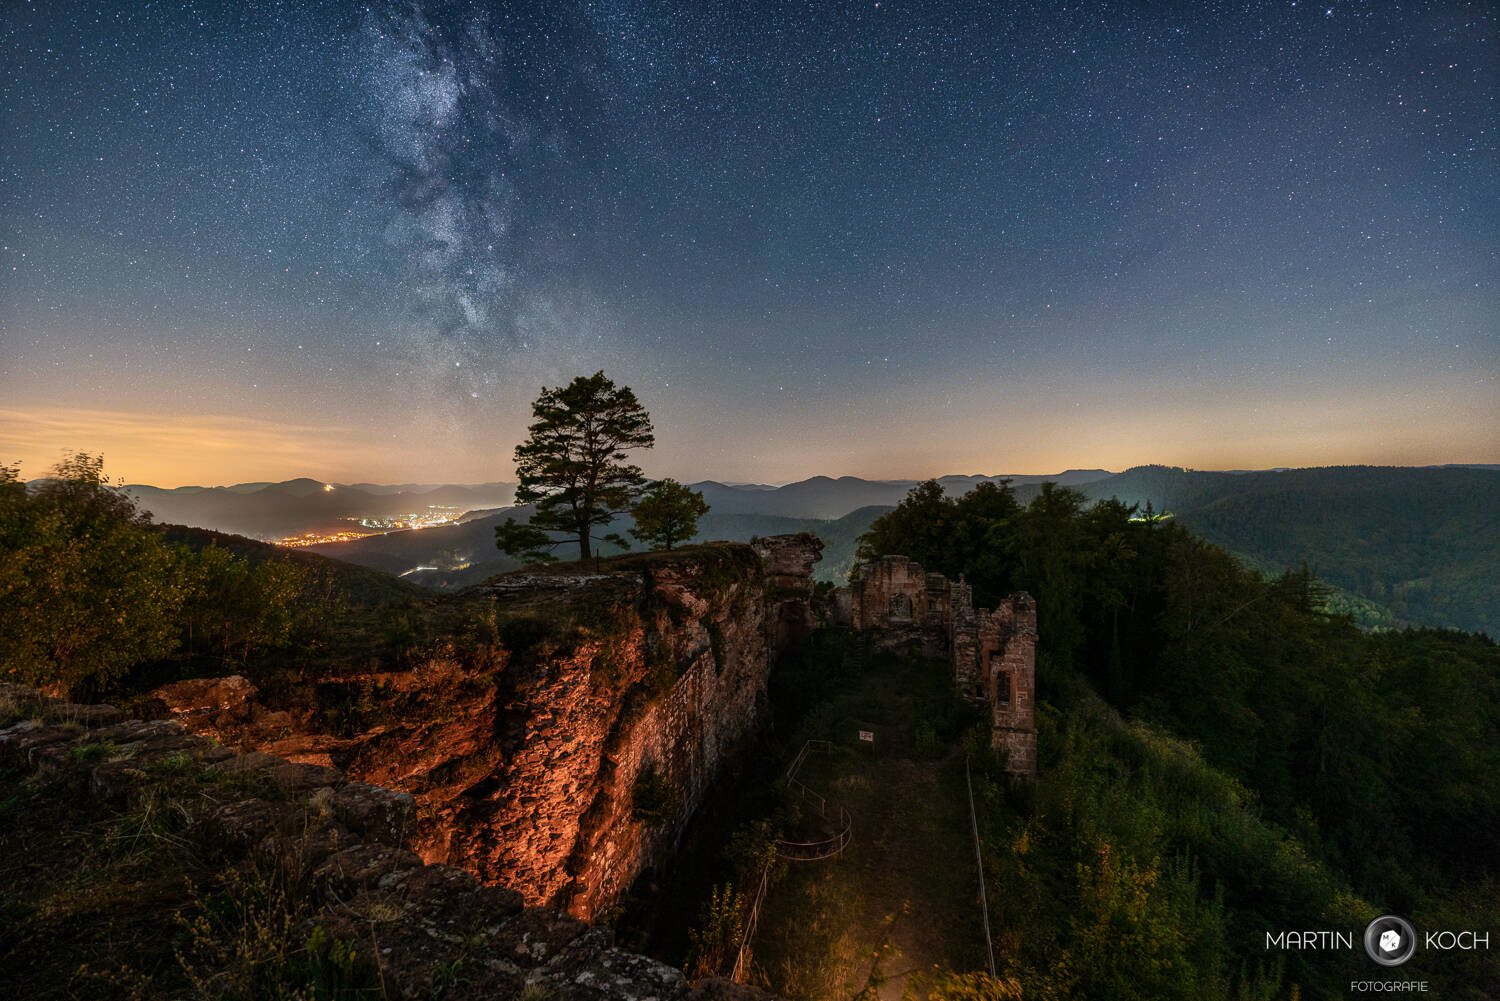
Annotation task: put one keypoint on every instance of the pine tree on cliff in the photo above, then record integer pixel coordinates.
(573, 466)
(667, 513)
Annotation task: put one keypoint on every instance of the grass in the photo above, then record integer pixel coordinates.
(128, 900)
(902, 898)
(89, 887)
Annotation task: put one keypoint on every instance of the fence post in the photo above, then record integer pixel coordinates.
(749, 932)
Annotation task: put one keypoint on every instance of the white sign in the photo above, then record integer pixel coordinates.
(867, 736)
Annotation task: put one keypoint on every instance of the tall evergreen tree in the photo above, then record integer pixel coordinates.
(573, 465)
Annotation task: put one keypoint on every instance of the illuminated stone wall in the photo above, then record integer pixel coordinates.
(526, 765)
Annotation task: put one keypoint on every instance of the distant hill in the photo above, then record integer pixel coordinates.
(840, 539)
(270, 511)
(1423, 543)
(473, 543)
(506, 490)
(1399, 544)
(840, 535)
(826, 498)
(363, 584)
(277, 510)
(443, 548)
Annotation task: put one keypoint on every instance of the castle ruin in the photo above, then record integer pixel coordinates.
(993, 653)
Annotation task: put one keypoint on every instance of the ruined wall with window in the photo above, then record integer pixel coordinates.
(993, 652)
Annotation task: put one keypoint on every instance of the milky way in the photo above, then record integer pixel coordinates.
(876, 238)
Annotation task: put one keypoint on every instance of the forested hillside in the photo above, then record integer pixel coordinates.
(1395, 546)
(1423, 543)
(1250, 762)
(96, 600)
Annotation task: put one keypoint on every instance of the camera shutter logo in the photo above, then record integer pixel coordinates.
(1390, 940)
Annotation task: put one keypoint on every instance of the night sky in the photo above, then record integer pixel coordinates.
(886, 239)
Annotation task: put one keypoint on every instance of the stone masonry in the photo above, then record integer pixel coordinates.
(993, 652)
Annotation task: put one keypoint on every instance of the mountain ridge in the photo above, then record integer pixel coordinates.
(1399, 544)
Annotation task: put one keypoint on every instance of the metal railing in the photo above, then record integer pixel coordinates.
(743, 956)
(799, 851)
(824, 848)
(816, 851)
(984, 903)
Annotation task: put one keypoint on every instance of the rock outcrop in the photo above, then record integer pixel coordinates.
(788, 561)
(562, 754)
(351, 845)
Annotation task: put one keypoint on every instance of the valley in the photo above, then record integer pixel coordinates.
(1394, 546)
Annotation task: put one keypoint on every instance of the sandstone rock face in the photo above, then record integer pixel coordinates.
(679, 679)
(993, 652)
(526, 756)
(788, 561)
(352, 838)
(1005, 641)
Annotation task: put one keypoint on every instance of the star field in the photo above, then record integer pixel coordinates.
(882, 239)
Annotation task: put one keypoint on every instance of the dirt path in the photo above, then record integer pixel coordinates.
(901, 899)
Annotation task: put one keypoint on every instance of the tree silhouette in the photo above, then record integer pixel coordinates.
(573, 465)
(667, 513)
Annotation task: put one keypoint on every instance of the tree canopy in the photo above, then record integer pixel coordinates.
(91, 591)
(573, 465)
(667, 514)
(1376, 753)
(86, 587)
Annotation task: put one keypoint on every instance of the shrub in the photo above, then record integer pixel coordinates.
(87, 589)
(652, 799)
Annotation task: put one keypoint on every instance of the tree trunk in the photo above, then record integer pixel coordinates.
(583, 545)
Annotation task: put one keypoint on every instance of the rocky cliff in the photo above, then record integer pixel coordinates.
(558, 749)
(233, 873)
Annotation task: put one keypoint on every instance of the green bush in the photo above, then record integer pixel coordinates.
(91, 591)
(652, 799)
(716, 937)
(87, 589)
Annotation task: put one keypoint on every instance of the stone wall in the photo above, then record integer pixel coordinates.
(351, 843)
(1005, 654)
(526, 764)
(895, 598)
(993, 653)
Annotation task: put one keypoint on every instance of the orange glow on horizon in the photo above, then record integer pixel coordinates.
(1032, 434)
